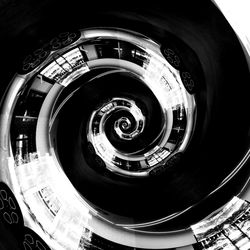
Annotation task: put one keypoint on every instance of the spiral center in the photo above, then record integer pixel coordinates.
(127, 128)
(125, 123)
(128, 118)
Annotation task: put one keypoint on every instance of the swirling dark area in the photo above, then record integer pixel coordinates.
(206, 162)
(214, 68)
